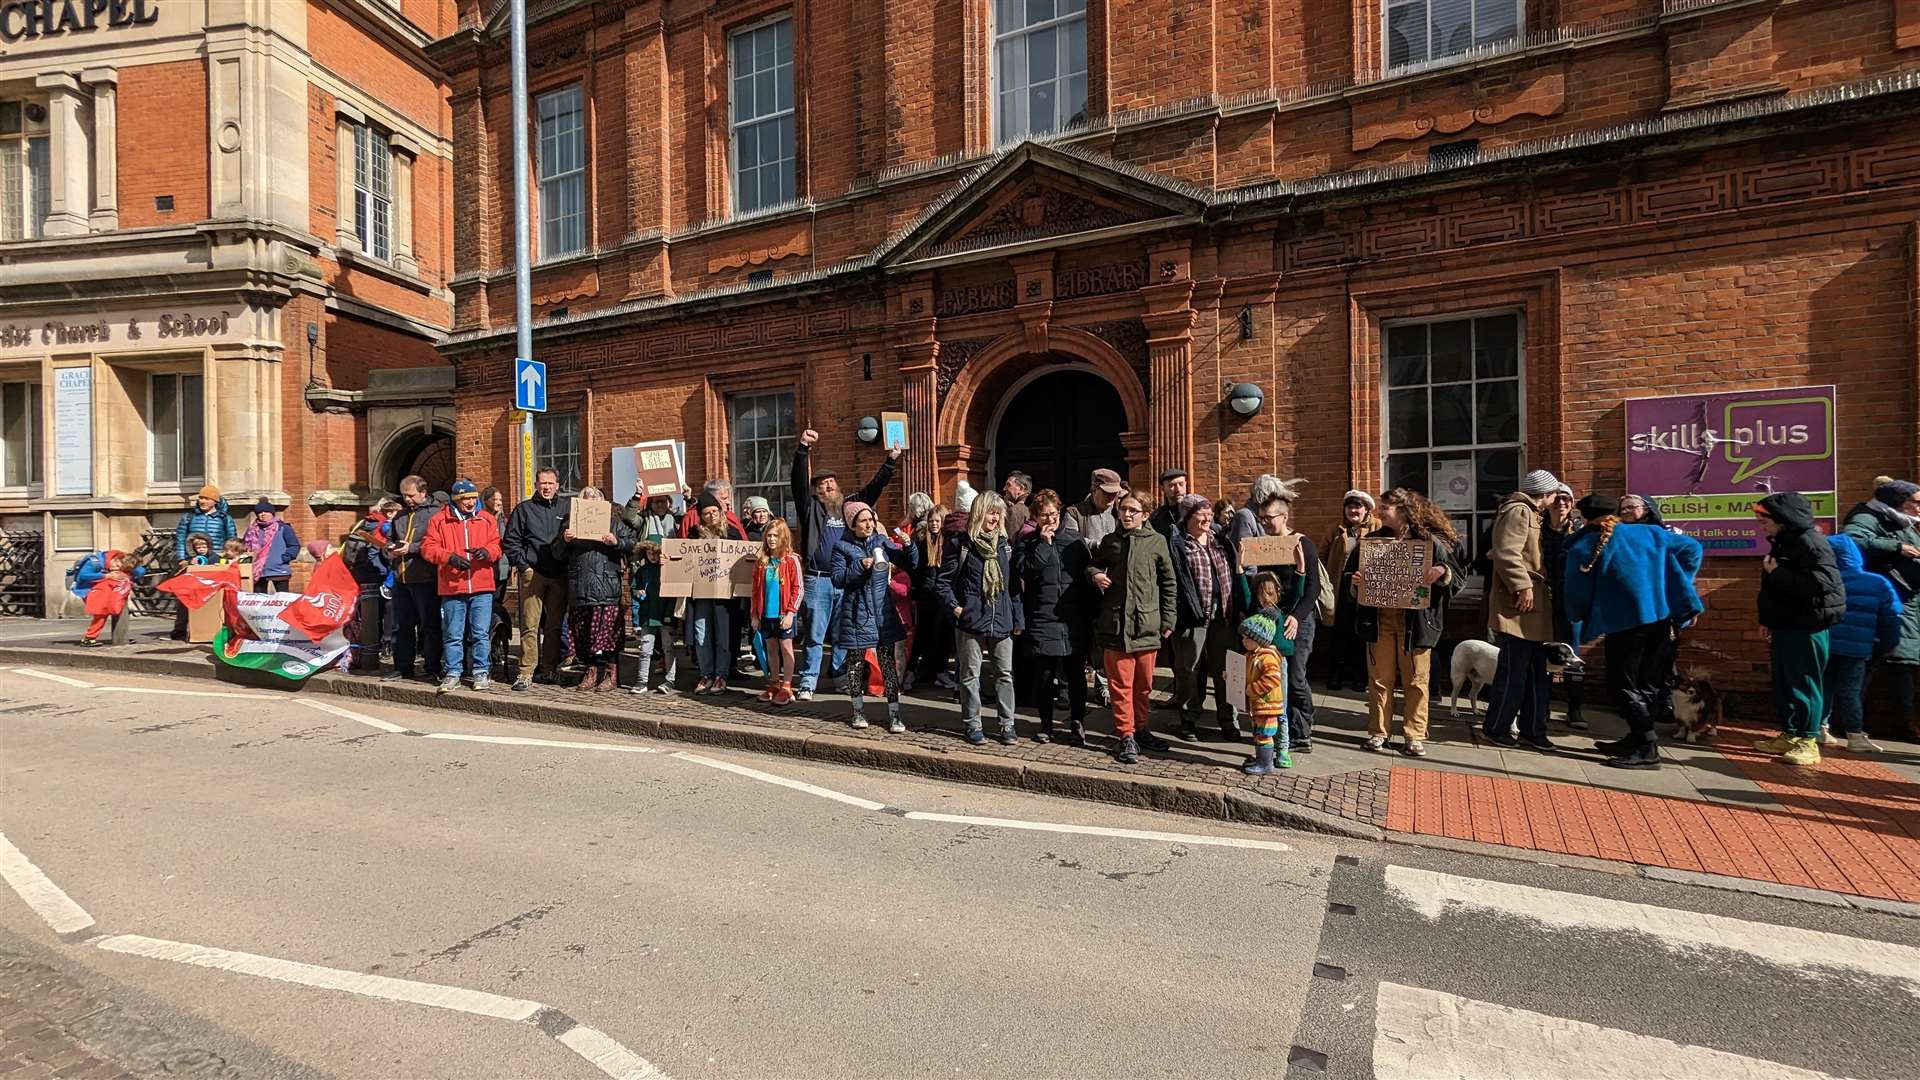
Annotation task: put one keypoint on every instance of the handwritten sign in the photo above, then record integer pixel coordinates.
(1394, 572)
(707, 569)
(658, 466)
(590, 519)
(1236, 681)
(893, 429)
(1270, 550)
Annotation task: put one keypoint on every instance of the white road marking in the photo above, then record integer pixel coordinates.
(609, 1056)
(42, 895)
(1433, 895)
(516, 740)
(49, 676)
(797, 785)
(190, 693)
(1420, 1034)
(1101, 830)
(349, 714)
(475, 1002)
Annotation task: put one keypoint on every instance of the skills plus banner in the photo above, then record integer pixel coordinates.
(1707, 458)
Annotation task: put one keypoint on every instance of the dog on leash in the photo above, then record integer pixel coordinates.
(1475, 660)
(1696, 706)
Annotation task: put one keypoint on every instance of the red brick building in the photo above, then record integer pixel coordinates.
(1441, 238)
(223, 259)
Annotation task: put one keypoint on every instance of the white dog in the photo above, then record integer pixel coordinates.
(1475, 660)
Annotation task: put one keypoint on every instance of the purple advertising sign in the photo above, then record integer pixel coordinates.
(1707, 458)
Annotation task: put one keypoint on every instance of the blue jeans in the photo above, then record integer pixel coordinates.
(1519, 691)
(710, 619)
(817, 607)
(467, 624)
(416, 627)
(1846, 694)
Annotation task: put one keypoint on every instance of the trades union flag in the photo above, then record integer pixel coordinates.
(193, 586)
(258, 637)
(330, 600)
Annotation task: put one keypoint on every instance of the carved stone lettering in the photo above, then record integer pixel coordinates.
(1100, 280)
(968, 299)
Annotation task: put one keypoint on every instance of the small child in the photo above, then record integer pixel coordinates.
(776, 605)
(1266, 696)
(234, 551)
(108, 598)
(199, 553)
(1266, 595)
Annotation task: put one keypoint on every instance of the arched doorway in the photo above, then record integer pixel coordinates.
(430, 457)
(1057, 428)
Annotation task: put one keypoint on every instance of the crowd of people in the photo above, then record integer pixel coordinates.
(1016, 596)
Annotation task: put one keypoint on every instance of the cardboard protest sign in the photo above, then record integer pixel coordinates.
(1236, 681)
(1394, 572)
(707, 569)
(657, 466)
(590, 519)
(893, 431)
(1270, 550)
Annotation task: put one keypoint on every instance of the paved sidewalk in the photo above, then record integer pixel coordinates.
(1851, 827)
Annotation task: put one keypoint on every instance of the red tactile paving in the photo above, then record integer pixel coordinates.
(1849, 826)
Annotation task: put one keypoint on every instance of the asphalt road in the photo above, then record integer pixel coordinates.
(288, 888)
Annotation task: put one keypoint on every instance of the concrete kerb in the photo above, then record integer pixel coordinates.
(1090, 785)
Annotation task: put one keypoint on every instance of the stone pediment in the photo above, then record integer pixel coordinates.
(1033, 192)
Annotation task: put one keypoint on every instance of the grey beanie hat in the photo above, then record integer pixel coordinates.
(1539, 482)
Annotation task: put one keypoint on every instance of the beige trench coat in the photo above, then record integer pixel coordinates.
(1515, 554)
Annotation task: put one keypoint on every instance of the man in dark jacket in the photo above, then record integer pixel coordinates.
(416, 592)
(816, 508)
(541, 573)
(1801, 596)
(1887, 528)
(1166, 518)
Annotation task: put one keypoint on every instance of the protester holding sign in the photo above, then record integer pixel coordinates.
(595, 562)
(711, 618)
(867, 622)
(1269, 512)
(1401, 640)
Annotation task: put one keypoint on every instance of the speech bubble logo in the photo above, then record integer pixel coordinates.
(1760, 433)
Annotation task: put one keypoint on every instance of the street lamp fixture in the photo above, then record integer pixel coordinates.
(1245, 398)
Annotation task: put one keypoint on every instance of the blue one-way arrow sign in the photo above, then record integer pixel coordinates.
(529, 385)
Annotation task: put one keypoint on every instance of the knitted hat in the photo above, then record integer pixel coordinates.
(208, 491)
(264, 506)
(463, 486)
(1595, 507)
(1190, 505)
(317, 549)
(1260, 628)
(1539, 482)
(756, 502)
(851, 510)
(705, 500)
(1894, 492)
(1360, 497)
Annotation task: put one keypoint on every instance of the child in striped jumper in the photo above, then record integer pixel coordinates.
(1266, 696)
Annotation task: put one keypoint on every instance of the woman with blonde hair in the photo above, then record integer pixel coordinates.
(973, 582)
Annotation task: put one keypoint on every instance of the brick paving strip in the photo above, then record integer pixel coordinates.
(1852, 827)
(50, 1026)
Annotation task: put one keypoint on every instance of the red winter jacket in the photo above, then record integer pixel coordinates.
(790, 588)
(452, 533)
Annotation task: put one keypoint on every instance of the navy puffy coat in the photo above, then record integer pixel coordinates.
(958, 586)
(866, 617)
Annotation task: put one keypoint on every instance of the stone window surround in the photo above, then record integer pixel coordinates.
(82, 137)
(719, 131)
(1373, 58)
(404, 151)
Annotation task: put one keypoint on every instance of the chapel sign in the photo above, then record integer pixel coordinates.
(125, 330)
(30, 20)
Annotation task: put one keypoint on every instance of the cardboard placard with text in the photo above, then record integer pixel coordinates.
(657, 467)
(893, 431)
(590, 519)
(707, 569)
(1235, 681)
(1270, 550)
(1394, 573)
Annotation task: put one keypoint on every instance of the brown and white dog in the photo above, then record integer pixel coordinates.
(1696, 706)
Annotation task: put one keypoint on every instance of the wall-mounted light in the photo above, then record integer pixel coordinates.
(1245, 398)
(313, 340)
(867, 430)
(1245, 318)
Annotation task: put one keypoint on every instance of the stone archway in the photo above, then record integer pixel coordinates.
(969, 408)
(424, 446)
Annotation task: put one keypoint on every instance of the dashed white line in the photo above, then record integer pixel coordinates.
(1101, 830)
(609, 1056)
(349, 714)
(517, 740)
(1433, 895)
(1419, 1034)
(477, 1002)
(769, 778)
(45, 898)
(35, 673)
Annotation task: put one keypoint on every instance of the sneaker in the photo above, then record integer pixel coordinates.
(663, 689)
(1043, 736)
(906, 683)
(1577, 724)
(1129, 752)
(1153, 742)
(1507, 741)
(1776, 745)
(483, 682)
(767, 694)
(521, 685)
(1542, 744)
(858, 722)
(976, 736)
(782, 694)
(1830, 741)
(448, 685)
(1414, 748)
(91, 643)
(636, 688)
(1007, 737)
(896, 726)
(1804, 753)
(1376, 743)
(803, 695)
(719, 687)
(945, 682)
(1189, 733)
(1858, 743)
(396, 676)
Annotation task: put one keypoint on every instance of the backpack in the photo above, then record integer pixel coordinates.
(85, 574)
(1328, 601)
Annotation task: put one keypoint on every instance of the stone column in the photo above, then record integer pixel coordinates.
(70, 157)
(105, 212)
(346, 119)
(1170, 390)
(919, 367)
(405, 151)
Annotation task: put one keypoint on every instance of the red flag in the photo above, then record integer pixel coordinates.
(195, 585)
(330, 600)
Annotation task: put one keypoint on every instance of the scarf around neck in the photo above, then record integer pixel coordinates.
(992, 581)
(1896, 515)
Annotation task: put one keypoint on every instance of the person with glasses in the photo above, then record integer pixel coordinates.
(1140, 594)
(1270, 510)
(1887, 529)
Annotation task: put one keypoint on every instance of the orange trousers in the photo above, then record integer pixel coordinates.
(1130, 682)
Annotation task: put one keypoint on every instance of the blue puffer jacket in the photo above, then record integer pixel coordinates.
(216, 525)
(1872, 626)
(1645, 575)
(866, 617)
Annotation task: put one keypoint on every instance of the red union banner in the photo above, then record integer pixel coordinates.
(328, 603)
